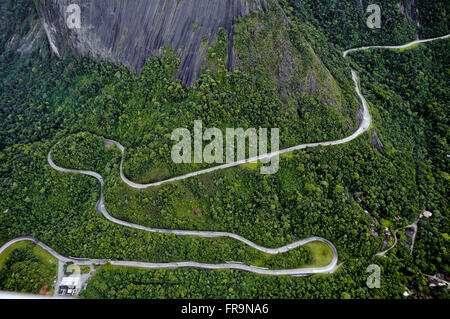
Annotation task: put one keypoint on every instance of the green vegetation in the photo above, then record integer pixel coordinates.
(434, 19)
(142, 112)
(7, 252)
(415, 124)
(278, 54)
(85, 151)
(25, 267)
(321, 253)
(408, 162)
(344, 21)
(74, 102)
(69, 271)
(117, 282)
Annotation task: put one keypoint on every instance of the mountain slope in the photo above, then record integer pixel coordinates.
(128, 33)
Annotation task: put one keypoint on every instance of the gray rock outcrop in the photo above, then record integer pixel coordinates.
(128, 32)
(376, 141)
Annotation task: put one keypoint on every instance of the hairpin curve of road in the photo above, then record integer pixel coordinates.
(100, 207)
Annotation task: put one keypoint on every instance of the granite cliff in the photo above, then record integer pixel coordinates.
(128, 32)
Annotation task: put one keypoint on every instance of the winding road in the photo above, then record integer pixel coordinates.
(100, 207)
(363, 127)
(413, 226)
(395, 47)
(183, 264)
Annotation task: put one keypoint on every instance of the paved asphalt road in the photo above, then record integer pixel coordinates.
(364, 126)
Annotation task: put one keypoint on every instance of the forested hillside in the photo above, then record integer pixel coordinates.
(407, 176)
(27, 268)
(344, 21)
(399, 168)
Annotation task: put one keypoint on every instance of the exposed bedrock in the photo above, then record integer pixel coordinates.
(127, 32)
(376, 141)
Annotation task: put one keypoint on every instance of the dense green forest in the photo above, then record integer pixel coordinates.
(69, 105)
(344, 21)
(142, 112)
(114, 282)
(412, 161)
(27, 268)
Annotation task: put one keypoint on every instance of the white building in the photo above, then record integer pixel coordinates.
(70, 285)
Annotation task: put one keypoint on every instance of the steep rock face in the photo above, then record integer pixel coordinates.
(412, 12)
(20, 27)
(376, 141)
(128, 32)
(27, 44)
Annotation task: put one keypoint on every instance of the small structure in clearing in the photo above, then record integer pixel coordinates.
(70, 286)
(427, 214)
